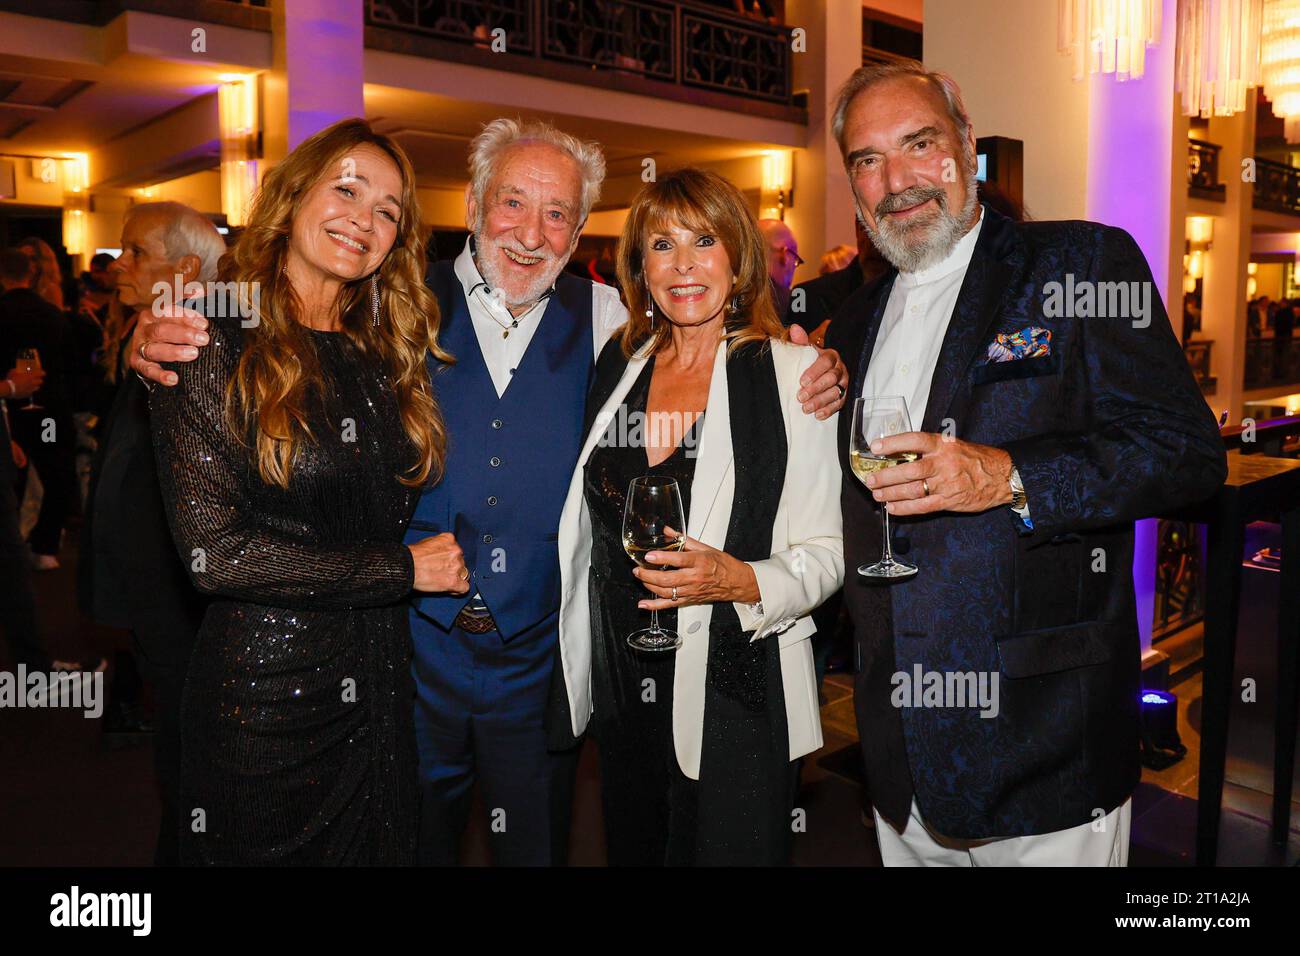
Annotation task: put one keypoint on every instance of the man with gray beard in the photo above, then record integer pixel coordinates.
(1040, 436)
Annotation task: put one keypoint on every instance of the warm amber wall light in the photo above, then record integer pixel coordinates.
(239, 123)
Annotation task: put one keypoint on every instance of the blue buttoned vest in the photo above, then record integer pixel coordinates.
(509, 459)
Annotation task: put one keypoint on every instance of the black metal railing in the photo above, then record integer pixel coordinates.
(664, 40)
(1277, 187)
(1272, 361)
(1199, 357)
(1203, 170)
(632, 36)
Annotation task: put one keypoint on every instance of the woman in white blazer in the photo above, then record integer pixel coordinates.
(697, 745)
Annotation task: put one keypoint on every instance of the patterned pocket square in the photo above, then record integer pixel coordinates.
(1030, 342)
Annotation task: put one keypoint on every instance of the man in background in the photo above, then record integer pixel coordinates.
(782, 260)
(129, 574)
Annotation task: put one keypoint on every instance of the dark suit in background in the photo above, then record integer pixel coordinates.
(28, 321)
(823, 296)
(1108, 428)
(129, 576)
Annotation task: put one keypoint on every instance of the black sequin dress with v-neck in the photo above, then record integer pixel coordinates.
(654, 814)
(297, 721)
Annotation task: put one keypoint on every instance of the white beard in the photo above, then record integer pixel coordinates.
(489, 249)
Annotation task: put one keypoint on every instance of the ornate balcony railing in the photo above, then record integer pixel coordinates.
(666, 40)
(1272, 361)
(1277, 187)
(1203, 170)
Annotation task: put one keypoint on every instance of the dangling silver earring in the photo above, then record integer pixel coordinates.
(650, 309)
(374, 298)
(735, 303)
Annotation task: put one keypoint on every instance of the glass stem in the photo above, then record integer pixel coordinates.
(654, 620)
(888, 556)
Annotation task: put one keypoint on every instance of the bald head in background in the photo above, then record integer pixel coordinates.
(782, 260)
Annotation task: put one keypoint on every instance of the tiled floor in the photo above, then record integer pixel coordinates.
(71, 796)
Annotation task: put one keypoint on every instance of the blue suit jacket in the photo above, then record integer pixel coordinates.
(1108, 428)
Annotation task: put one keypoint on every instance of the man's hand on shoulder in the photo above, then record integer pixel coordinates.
(175, 335)
(950, 475)
(826, 381)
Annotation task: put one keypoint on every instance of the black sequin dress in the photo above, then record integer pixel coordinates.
(297, 734)
(738, 812)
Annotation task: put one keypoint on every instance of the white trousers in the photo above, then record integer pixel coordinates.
(1103, 842)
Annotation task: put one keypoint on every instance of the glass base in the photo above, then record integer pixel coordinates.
(887, 568)
(654, 641)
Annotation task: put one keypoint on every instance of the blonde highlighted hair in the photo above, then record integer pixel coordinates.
(278, 372)
(703, 202)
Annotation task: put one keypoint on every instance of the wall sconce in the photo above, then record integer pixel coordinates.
(778, 188)
(1252, 268)
(1251, 287)
(1200, 229)
(239, 122)
(76, 201)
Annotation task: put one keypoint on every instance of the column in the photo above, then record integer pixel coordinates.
(318, 71)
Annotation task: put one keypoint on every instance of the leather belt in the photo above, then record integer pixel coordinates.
(474, 621)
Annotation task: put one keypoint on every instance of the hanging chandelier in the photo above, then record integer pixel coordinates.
(1280, 62)
(1107, 36)
(1218, 54)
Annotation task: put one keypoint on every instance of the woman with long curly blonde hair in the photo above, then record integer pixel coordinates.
(291, 453)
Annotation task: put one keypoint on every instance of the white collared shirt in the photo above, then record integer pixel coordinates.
(503, 353)
(913, 327)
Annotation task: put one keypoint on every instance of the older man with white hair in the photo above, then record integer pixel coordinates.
(525, 336)
(129, 574)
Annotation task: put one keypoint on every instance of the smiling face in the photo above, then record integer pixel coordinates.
(527, 224)
(144, 261)
(348, 219)
(912, 175)
(689, 274)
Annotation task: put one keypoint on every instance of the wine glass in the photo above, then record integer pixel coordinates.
(875, 418)
(653, 506)
(29, 360)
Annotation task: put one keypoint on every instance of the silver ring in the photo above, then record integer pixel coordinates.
(925, 487)
(142, 348)
(841, 388)
(674, 592)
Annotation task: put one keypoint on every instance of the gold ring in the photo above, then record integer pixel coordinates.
(925, 486)
(465, 575)
(674, 593)
(142, 355)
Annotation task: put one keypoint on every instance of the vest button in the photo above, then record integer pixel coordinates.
(487, 539)
(496, 423)
(494, 461)
(492, 499)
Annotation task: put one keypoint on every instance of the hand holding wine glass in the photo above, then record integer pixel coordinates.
(875, 418)
(652, 510)
(29, 360)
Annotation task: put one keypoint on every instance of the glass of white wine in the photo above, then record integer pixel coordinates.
(653, 520)
(876, 418)
(29, 360)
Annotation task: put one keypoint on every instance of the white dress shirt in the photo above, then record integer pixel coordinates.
(913, 327)
(503, 353)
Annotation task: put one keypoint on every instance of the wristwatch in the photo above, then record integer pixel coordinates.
(1018, 499)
